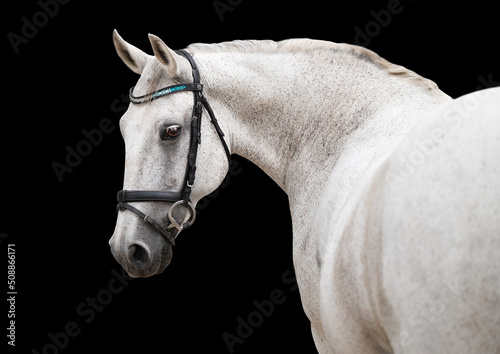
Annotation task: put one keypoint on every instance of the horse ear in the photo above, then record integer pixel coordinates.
(165, 55)
(133, 57)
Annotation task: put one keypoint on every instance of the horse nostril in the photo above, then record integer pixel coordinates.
(139, 257)
(138, 253)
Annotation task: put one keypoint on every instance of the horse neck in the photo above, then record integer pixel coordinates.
(302, 118)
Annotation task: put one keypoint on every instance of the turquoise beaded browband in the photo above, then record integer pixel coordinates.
(163, 92)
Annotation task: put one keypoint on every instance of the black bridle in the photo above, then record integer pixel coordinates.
(183, 197)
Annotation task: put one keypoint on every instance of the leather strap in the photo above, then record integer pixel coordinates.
(219, 131)
(148, 196)
(147, 219)
(195, 129)
(204, 102)
(194, 67)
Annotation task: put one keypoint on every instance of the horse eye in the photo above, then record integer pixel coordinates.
(171, 132)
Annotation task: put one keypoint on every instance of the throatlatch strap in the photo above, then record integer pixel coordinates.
(216, 125)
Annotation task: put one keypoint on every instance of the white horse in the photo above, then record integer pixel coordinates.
(394, 187)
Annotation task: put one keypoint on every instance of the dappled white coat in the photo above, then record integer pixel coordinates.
(394, 187)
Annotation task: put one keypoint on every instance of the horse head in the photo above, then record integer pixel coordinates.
(162, 133)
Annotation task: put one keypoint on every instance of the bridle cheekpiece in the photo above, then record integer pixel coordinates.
(177, 198)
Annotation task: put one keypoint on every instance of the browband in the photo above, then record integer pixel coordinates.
(163, 92)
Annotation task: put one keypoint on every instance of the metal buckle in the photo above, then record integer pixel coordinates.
(174, 223)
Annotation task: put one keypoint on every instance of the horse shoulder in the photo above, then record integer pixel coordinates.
(351, 280)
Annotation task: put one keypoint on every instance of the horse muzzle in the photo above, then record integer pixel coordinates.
(142, 244)
(143, 254)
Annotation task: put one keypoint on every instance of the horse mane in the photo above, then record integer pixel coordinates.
(318, 47)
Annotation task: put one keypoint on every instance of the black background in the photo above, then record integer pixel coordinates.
(68, 77)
